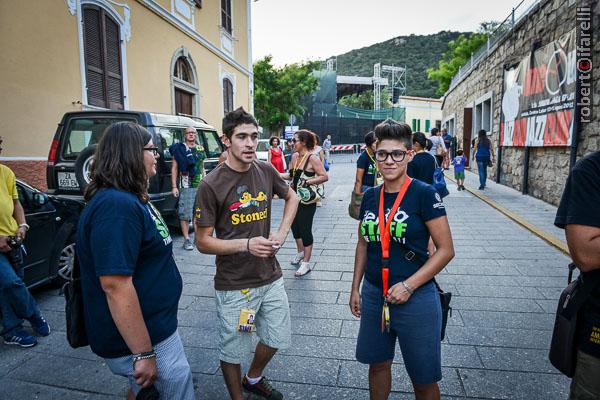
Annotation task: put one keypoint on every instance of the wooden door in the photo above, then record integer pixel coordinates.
(467, 128)
(183, 102)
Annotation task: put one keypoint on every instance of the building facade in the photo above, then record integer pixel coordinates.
(489, 95)
(422, 113)
(189, 57)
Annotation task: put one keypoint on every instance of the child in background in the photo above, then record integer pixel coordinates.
(459, 169)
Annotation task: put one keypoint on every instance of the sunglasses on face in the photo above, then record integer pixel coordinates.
(154, 150)
(397, 155)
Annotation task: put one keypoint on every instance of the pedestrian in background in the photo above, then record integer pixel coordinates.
(449, 149)
(579, 214)
(483, 153)
(131, 284)
(459, 169)
(438, 149)
(366, 167)
(327, 148)
(275, 155)
(16, 303)
(399, 302)
(307, 169)
(287, 151)
(186, 172)
(422, 165)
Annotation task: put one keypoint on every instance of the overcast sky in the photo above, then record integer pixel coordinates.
(298, 30)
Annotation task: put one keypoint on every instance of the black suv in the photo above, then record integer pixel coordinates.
(78, 133)
(50, 241)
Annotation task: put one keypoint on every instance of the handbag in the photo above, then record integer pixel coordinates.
(308, 194)
(439, 150)
(439, 182)
(74, 308)
(563, 347)
(354, 205)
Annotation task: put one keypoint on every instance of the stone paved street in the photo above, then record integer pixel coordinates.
(504, 279)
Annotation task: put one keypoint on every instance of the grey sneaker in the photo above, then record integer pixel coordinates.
(187, 244)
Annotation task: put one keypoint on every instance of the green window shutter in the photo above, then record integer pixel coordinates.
(414, 125)
(419, 125)
(427, 125)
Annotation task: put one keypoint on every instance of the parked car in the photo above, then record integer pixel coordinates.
(50, 241)
(78, 133)
(262, 151)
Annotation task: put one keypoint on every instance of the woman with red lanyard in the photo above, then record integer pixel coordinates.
(276, 154)
(399, 300)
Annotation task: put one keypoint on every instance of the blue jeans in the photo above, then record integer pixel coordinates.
(482, 165)
(16, 302)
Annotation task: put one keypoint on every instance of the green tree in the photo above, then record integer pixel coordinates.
(278, 91)
(365, 100)
(458, 54)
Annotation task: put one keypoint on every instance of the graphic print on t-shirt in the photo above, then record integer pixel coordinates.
(249, 203)
(161, 226)
(369, 226)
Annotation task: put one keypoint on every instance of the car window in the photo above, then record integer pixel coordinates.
(83, 132)
(168, 136)
(262, 146)
(24, 200)
(213, 143)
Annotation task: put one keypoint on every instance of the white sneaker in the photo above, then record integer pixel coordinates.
(297, 258)
(304, 269)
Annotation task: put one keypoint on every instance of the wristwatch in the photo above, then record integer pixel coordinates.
(24, 226)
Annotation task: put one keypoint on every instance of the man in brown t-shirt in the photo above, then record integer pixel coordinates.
(234, 200)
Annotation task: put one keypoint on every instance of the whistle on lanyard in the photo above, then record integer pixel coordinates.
(385, 312)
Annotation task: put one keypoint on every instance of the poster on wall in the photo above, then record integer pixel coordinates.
(538, 103)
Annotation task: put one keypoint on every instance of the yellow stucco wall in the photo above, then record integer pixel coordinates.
(40, 78)
(421, 110)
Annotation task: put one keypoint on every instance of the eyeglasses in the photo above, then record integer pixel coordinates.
(154, 150)
(397, 155)
(190, 132)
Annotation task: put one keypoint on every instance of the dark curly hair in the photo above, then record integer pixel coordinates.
(235, 118)
(393, 130)
(274, 138)
(119, 161)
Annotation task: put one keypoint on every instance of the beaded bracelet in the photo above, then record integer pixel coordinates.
(143, 356)
(407, 287)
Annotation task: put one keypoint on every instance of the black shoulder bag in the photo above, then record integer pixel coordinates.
(563, 348)
(76, 334)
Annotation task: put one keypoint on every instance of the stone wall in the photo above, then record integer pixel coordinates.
(32, 172)
(548, 167)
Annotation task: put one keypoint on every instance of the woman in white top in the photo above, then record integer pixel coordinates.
(439, 148)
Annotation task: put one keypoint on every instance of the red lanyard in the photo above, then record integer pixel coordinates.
(384, 230)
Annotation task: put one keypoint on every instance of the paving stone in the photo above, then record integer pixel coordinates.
(514, 385)
(205, 361)
(13, 389)
(308, 370)
(314, 327)
(476, 270)
(314, 274)
(196, 337)
(312, 296)
(334, 311)
(322, 347)
(507, 319)
(505, 337)
(527, 360)
(495, 304)
(493, 291)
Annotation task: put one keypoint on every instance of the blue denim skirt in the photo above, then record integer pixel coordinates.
(416, 325)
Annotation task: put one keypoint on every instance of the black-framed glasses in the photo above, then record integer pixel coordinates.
(397, 155)
(154, 150)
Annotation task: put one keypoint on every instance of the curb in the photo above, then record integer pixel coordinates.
(547, 237)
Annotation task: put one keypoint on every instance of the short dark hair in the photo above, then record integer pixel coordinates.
(119, 161)
(306, 137)
(419, 137)
(459, 152)
(393, 130)
(435, 131)
(370, 138)
(429, 145)
(236, 118)
(272, 139)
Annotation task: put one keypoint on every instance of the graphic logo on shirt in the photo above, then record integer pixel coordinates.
(161, 226)
(197, 213)
(244, 203)
(369, 226)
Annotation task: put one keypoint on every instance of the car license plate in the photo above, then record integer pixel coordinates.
(66, 180)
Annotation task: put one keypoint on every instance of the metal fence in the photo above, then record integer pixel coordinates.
(505, 28)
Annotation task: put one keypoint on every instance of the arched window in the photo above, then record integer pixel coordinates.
(102, 47)
(226, 16)
(227, 95)
(184, 83)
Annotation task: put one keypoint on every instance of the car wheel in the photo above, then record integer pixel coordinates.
(83, 164)
(66, 259)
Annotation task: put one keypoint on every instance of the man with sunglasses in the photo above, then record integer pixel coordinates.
(16, 303)
(186, 173)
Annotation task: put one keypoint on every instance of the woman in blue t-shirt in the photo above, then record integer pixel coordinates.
(131, 284)
(422, 165)
(484, 155)
(366, 168)
(411, 298)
